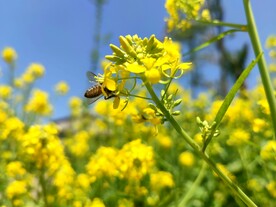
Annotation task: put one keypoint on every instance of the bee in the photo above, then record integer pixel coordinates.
(96, 91)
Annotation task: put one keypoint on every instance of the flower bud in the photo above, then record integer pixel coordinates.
(9, 55)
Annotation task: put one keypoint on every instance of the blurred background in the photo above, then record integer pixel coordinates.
(72, 37)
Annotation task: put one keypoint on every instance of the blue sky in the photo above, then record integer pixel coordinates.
(58, 34)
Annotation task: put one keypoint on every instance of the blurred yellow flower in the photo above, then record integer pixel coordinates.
(271, 188)
(186, 159)
(5, 92)
(271, 41)
(36, 69)
(9, 55)
(62, 88)
(268, 151)
(125, 203)
(83, 180)
(164, 141)
(160, 180)
(39, 103)
(16, 188)
(258, 125)
(97, 202)
(238, 137)
(15, 168)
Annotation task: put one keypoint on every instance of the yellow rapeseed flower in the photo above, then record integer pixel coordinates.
(271, 188)
(39, 103)
(97, 166)
(268, 151)
(160, 180)
(186, 159)
(75, 104)
(15, 168)
(5, 92)
(258, 125)
(97, 202)
(271, 41)
(62, 88)
(238, 137)
(164, 141)
(9, 55)
(36, 69)
(16, 188)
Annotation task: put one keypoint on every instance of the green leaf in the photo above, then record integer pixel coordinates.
(231, 94)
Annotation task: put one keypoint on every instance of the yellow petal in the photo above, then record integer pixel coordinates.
(135, 68)
(185, 66)
(110, 84)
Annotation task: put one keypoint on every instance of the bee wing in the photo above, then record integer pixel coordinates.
(92, 100)
(91, 76)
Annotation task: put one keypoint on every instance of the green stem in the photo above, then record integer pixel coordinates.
(255, 40)
(236, 190)
(193, 188)
(224, 24)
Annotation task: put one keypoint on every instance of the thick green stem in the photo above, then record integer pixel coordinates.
(255, 40)
(235, 189)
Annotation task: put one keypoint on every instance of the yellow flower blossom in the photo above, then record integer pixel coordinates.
(78, 145)
(268, 151)
(14, 169)
(186, 159)
(75, 104)
(36, 70)
(160, 180)
(5, 92)
(271, 41)
(83, 180)
(258, 125)
(271, 188)
(39, 103)
(12, 127)
(125, 203)
(238, 137)
(62, 88)
(164, 141)
(16, 188)
(264, 106)
(97, 202)
(190, 9)
(9, 55)
(97, 166)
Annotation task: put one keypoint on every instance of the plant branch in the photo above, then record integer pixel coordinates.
(236, 190)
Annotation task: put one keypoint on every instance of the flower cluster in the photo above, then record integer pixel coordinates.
(182, 12)
(151, 60)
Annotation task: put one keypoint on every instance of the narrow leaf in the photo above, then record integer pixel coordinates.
(231, 94)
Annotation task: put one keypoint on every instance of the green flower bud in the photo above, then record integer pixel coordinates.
(177, 102)
(176, 113)
(117, 50)
(127, 47)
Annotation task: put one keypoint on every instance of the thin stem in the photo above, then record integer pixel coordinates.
(236, 190)
(241, 27)
(193, 188)
(255, 40)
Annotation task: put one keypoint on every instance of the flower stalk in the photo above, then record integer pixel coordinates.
(235, 189)
(256, 44)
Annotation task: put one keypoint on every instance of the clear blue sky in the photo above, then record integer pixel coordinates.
(58, 34)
